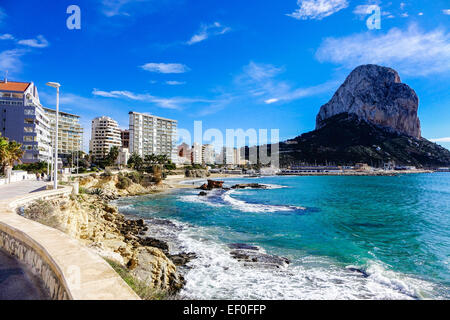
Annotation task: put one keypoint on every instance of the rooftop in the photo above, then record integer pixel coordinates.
(14, 86)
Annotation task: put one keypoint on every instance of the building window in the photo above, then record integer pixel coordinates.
(29, 112)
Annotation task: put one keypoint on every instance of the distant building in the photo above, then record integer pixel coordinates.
(70, 132)
(23, 119)
(196, 153)
(105, 135)
(125, 137)
(123, 157)
(208, 154)
(152, 135)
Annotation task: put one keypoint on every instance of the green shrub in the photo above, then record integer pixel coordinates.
(107, 173)
(136, 177)
(124, 182)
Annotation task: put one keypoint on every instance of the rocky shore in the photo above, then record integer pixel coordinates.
(90, 218)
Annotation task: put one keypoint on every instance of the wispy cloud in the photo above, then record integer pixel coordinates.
(6, 36)
(411, 51)
(317, 9)
(39, 42)
(11, 60)
(175, 83)
(260, 81)
(111, 8)
(446, 11)
(207, 31)
(177, 103)
(165, 67)
(446, 139)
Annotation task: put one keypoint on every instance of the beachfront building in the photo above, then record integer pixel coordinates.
(105, 134)
(208, 154)
(125, 137)
(70, 132)
(196, 153)
(151, 134)
(23, 119)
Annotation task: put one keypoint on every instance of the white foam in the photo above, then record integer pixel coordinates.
(254, 207)
(216, 275)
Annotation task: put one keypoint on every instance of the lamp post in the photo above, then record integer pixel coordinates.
(55, 179)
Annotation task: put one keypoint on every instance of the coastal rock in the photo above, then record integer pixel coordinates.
(252, 256)
(152, 242)
(203, 193)
(197, 173)
(152, 266)
(212, 184)
(181, 259)
(377, 95)
(250, 186)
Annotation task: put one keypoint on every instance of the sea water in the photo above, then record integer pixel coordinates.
(347, 237)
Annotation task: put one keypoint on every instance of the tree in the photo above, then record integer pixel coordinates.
(10, 153)
(112, 156)
(136, 161)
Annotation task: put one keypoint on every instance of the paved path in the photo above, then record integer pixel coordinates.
(17, 282)
(21, 188)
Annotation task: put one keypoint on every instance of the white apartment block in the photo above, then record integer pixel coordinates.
(151, 134)
(105, 135)
(196, 153)
(208, 154)
(70, 132)
(23, 119)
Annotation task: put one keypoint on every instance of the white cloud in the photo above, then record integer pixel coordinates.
(260, 82)
(111, 8)
(39, 42)
(165, 67)
(208, 30)
(420, 14)
(6, 36)
(10, 60)
(175, 83)
(446, 139)
(317, 9)
(411, 51)
(446, 11)
(167, 103)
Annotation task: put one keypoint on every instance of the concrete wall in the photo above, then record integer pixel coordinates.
(68, 269)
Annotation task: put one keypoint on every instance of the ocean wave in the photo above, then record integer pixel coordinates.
(216, 275)
(254, 207)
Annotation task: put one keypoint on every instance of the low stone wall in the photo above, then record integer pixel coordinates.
(68, 269)
(35, 261)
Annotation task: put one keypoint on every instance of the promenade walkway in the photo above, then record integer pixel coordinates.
(69, 269)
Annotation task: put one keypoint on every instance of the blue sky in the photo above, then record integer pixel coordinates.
(231, 64)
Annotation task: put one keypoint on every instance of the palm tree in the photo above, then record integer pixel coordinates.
(10, 153)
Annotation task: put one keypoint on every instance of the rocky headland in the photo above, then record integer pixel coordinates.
(372, 118)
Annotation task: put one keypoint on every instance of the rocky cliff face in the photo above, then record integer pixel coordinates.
(377, 95)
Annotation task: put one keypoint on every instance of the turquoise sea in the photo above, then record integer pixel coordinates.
(346, 237)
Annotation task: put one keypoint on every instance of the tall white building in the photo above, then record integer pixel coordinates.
(196, 153)
(105, 135)
(208, 154)
(70, 132)
(151, 134)
(23, 119)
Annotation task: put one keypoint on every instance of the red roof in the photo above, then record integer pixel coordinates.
(14, 86)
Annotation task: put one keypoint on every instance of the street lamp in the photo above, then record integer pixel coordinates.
(55, 179)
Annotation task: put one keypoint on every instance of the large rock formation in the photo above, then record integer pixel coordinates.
(377, 95)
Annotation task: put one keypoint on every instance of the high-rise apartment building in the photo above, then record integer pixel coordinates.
(105, 135)
(23, 119)
(196, 153)
(208, 154)
(70, 132)
(150, 134)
